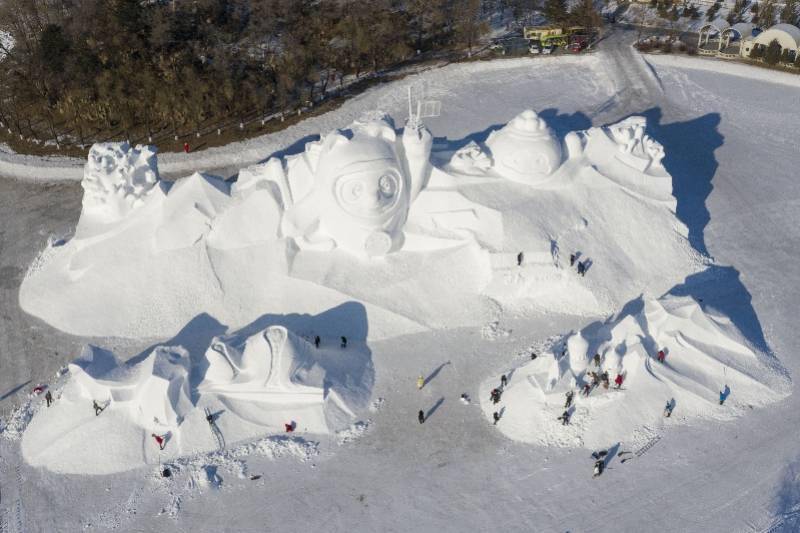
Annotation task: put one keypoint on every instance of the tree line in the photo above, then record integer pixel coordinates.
(81, 70)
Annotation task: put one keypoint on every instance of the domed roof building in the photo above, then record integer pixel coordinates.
(788, 38)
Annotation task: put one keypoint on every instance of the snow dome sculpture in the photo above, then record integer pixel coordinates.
(155, 391)
(272, 365)
(117, 178)
(353, 188)
(525, 149)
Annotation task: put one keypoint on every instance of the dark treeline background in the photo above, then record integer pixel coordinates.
(81, 70)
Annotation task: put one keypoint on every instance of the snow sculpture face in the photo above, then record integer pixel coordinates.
(363, 190)
(117, 178)
(526, 149)
(358, 188)
(272, 363)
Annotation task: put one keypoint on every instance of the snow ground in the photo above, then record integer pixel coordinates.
(455, 473)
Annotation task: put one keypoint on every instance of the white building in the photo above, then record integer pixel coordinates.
(788, 37)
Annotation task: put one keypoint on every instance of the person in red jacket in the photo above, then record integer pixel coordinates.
(289, 427)
(160, 441)
(618, 380)
(186, 148)
(661, 356)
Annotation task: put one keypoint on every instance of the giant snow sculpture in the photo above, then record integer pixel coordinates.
(116, 179)
(259, 244)
(352, 189)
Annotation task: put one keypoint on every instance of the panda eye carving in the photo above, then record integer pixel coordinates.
(387, 186)
(353, 191)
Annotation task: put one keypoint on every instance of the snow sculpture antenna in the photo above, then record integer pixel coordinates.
(419, 108)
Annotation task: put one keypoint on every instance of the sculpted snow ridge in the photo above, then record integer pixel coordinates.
(303, 233)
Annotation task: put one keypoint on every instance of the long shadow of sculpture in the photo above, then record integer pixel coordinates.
(787, 501)
(720, 288)
(689, 147)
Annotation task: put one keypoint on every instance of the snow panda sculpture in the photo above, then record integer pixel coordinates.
(526, 149)
(353, 188)
(116, 179)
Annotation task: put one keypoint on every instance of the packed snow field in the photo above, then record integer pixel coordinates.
(453, 273)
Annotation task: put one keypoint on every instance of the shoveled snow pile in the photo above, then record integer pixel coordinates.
(706, 359)
(422, 238)
(109, 413)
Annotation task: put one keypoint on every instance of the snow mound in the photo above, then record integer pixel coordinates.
(110, 413)
(705, 358)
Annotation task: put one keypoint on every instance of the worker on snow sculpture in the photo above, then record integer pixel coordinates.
(353, 188)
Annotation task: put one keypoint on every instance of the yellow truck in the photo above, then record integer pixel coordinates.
(546, 35)
(551, 35)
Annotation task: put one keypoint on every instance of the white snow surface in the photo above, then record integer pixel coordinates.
(457, 472)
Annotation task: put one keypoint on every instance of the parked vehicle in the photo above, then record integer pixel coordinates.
(535, 47)
(548, 49)
(547, 35)
(578, 42)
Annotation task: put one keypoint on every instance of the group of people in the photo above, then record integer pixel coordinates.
(582, 265)
(342, 343)
(495, 396)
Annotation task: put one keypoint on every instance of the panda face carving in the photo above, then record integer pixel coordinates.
(369, 194)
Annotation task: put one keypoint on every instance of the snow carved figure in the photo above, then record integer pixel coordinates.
(117, 178)
(155, 391)
(525, 149)
(637, 149)
(272, 365)
(353, 188)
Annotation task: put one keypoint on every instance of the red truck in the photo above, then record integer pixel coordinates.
(577, 42)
